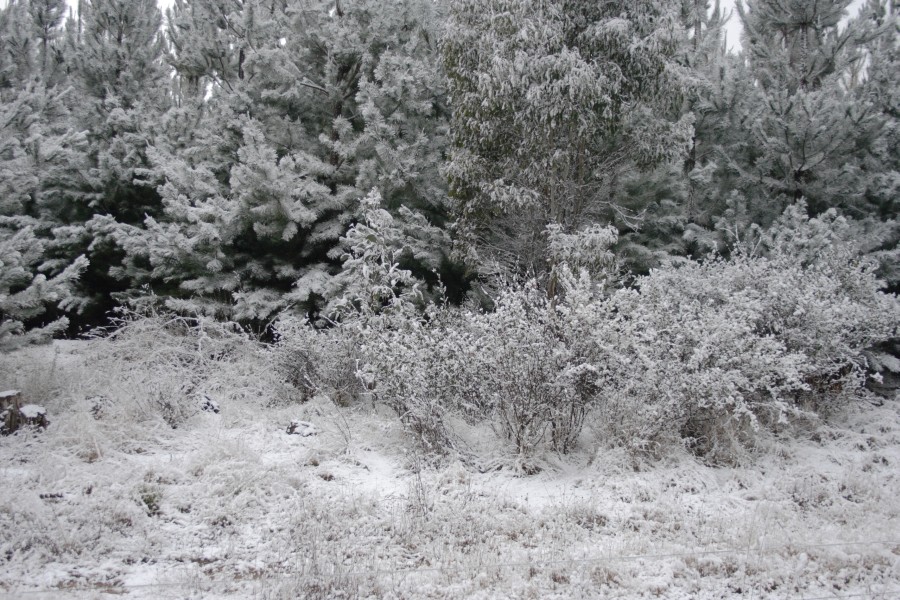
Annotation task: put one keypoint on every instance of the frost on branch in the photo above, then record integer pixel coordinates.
(710, 351)
(26, 293)
(372, 281)
(706, 354)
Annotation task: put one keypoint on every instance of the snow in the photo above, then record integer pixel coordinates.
(32, 411)
(887, 362)
(229, 506)
(9, 394)
(302, 428)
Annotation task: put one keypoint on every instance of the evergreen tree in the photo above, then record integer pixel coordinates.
(302, 108)
(678, 199)
(114, 51)
(209, 42)
(47, 17)
(117, 62)
(811, 134)
(17, 47)
(552, 103)
(796, 45)
(26, 293)
(38, 154)
(880, 89)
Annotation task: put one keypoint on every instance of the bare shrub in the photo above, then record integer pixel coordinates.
(318, 361)
(160, 366)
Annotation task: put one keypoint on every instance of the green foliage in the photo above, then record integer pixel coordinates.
(255, 202)
(551, 102)
(26, 293)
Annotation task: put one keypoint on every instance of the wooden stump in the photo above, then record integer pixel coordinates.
(14, 414)
(9, 411)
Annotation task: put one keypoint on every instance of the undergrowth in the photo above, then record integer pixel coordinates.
(713, 355)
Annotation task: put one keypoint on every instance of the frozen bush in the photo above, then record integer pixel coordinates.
(159, 366)
(821, 298)
(521, 365)
(689, 368)
(516, 365)
(537, 383)
(372, 293)
(708, 351)
(371, 281)
(318, 360)
(392, 356)
(369, 332)
(403, 366)
(703, 353)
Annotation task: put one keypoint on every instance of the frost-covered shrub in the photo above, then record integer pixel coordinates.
(371, 281)
(162, 366)
(589, 249)
(692, 368)
(405, 367)
(522, 365)
(821, 298)
(708, 351)
(705, 353)
(537, 383)
(371, 294)
(318, 360)
(516, 365)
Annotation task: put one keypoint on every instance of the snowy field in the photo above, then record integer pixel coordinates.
(111, 501)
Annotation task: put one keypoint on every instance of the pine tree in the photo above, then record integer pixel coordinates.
(794, 44)
(17, 54)
(37, 103)
(118, 65)
(811, 133)
(26, 293)
(704, 56)
(39, 152)
(290, 113)
(210, 40)
(880, 89)
(117, 90)
(678, 199)
(47, 17)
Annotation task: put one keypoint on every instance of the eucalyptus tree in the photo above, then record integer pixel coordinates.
(552, 102)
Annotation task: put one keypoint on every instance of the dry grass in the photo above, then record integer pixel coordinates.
(229, 506)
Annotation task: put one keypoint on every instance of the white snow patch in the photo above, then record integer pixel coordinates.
(32, 411)
(231, 507)
(302, 428)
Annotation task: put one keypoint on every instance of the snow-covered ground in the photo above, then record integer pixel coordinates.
(229, 505)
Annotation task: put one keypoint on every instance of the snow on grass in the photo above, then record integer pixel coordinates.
(112, 498)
